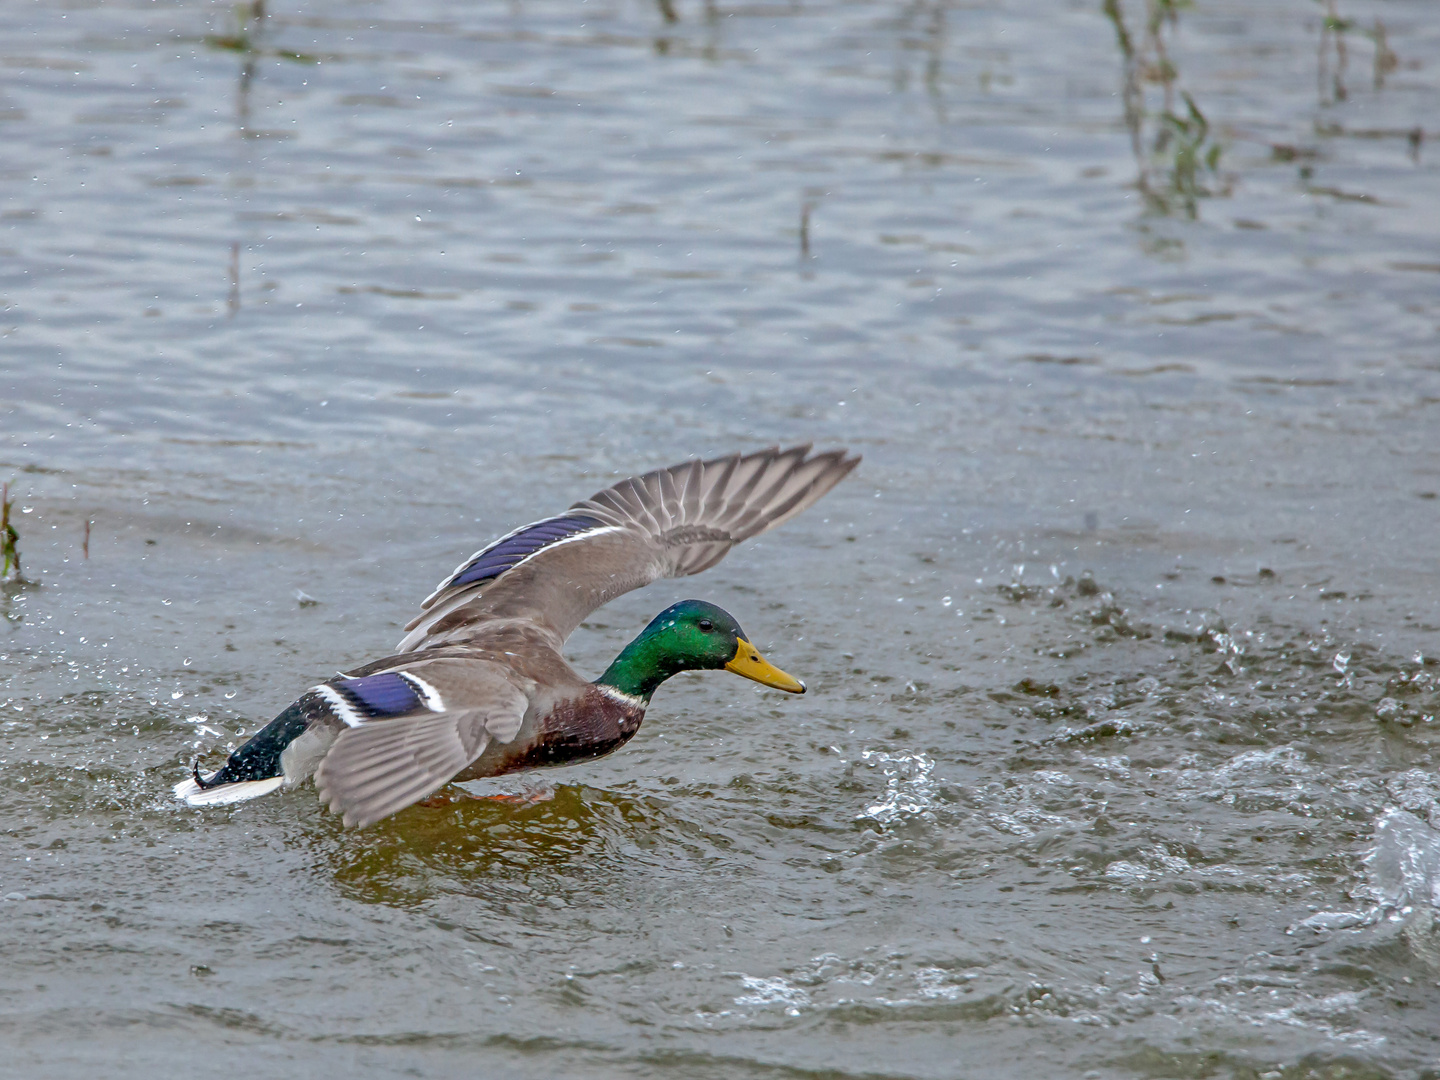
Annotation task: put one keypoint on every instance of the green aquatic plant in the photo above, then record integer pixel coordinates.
(246, 22)
(247, 27)
(1191, 154)
(1385, 59)
(1177, 157)
(923, 33)
(9, 540)
(1333, 29)
(1334, 42)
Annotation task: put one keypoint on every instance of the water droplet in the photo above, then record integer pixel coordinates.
(187, 661)
(165, 602)
(177, 695)
(946, 601)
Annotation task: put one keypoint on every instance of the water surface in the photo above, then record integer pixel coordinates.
(1120, 753)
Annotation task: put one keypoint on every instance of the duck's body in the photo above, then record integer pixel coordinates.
(479, 686)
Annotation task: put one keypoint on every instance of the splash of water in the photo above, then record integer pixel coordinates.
(1403, 866)
(909, 786)
(777, 991)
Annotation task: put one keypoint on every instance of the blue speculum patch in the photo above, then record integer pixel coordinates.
(381, 695)
(503, 555)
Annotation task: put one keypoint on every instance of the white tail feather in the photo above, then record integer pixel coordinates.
(193, 794)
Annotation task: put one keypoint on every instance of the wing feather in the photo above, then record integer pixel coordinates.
(715, 489)
(667, 498)
(668, 523)
(384, 764)
(379, 768)
(693, 492)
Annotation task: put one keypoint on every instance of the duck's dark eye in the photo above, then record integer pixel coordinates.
(706, 625)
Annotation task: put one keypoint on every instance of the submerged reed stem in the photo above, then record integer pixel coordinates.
(9, 540)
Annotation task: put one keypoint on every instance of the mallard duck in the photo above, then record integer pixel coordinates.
(478, 686)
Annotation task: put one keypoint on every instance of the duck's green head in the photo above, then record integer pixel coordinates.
(688, 636)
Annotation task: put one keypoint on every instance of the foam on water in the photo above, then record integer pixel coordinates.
(398, 279)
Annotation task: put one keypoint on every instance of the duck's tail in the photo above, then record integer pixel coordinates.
(255, 769)
(195, 792)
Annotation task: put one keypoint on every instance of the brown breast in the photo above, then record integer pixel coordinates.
(588, 725)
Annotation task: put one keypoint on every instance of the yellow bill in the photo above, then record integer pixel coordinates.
(749, 663)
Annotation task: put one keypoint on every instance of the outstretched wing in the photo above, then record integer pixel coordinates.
(409, 732)
(668, 523)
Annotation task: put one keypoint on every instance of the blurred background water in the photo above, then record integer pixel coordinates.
(1120, 754)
